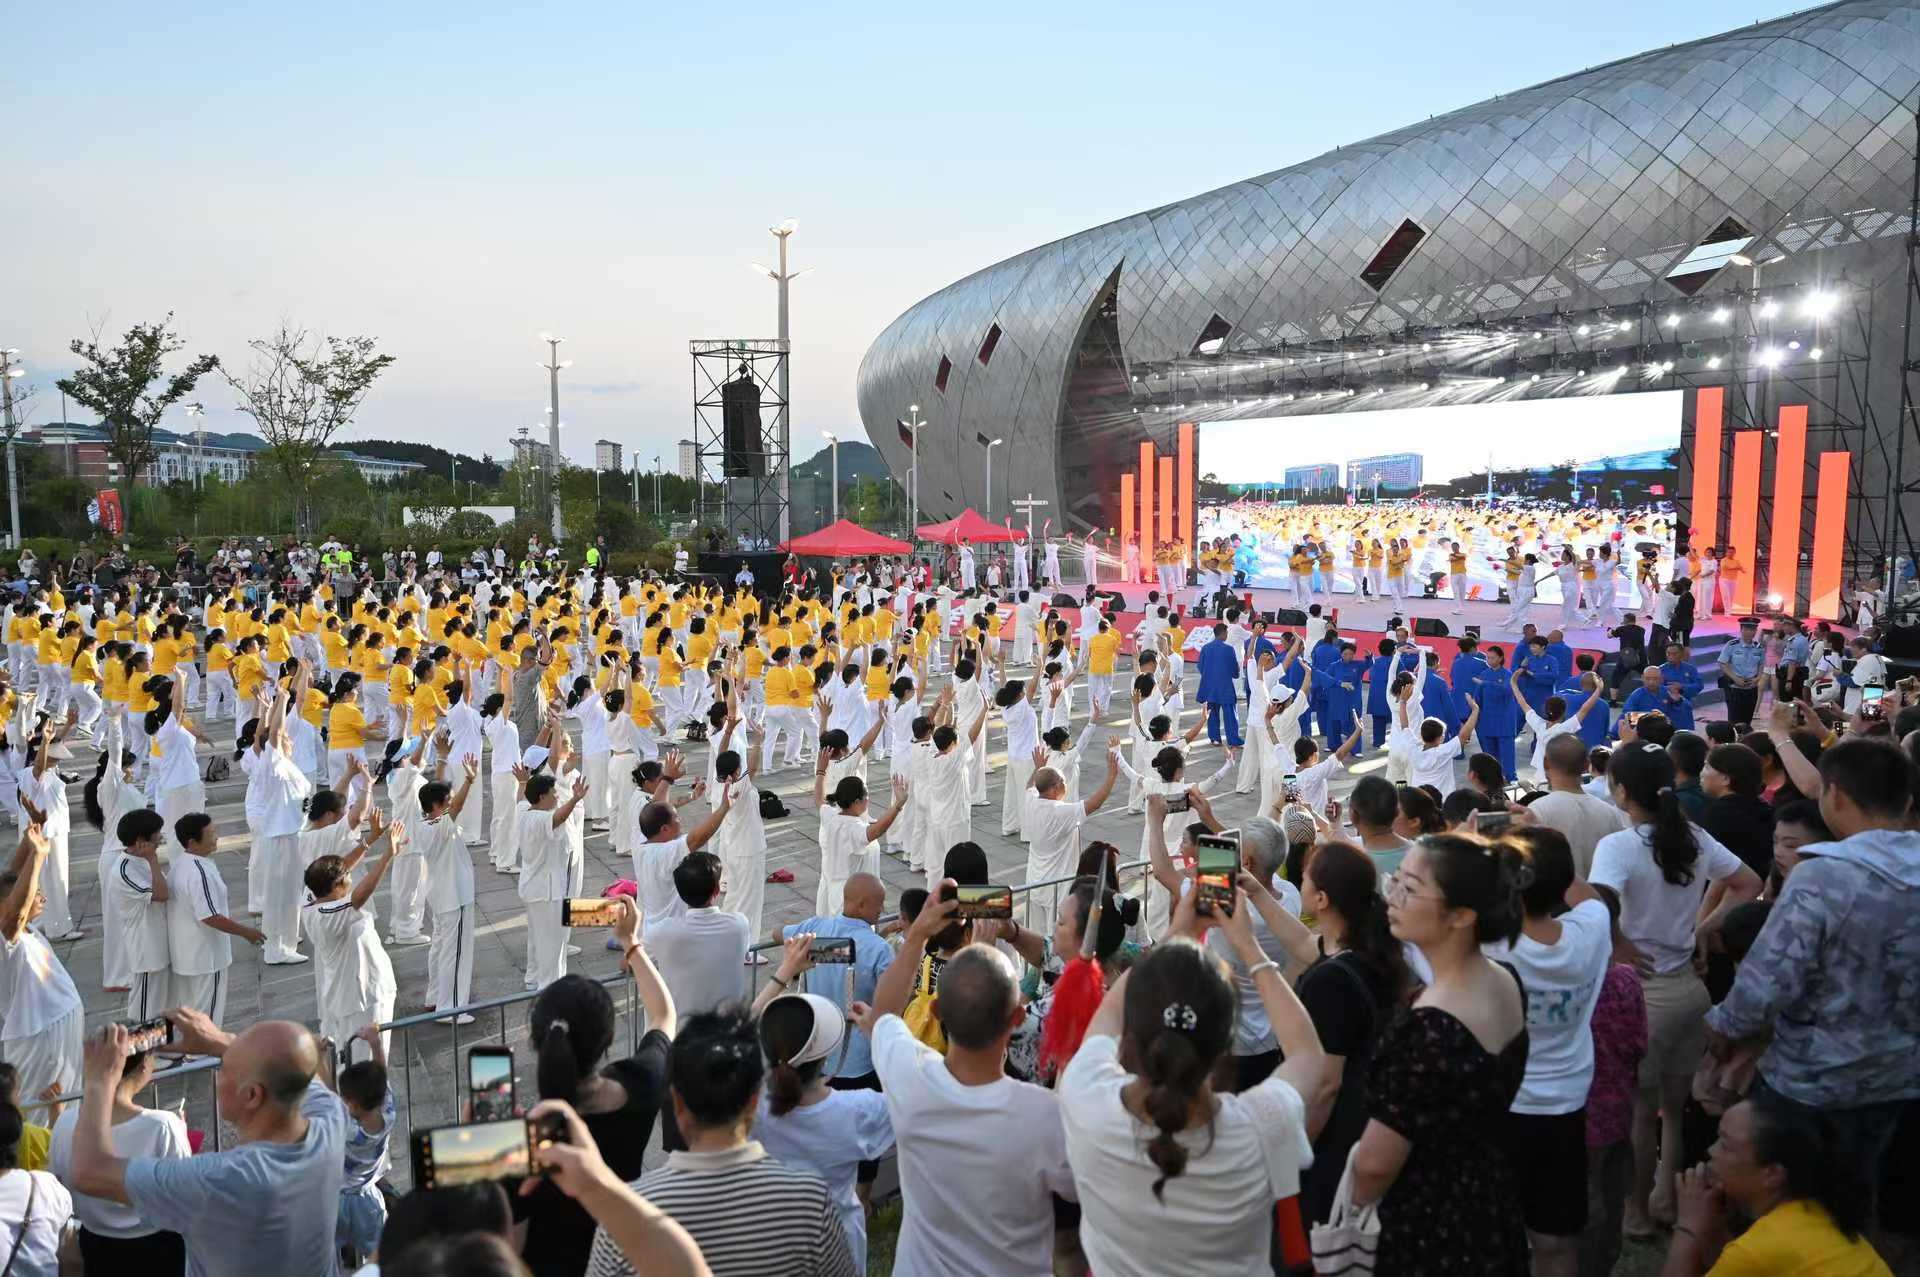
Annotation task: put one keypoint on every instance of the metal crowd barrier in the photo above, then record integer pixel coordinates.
(171, 1086)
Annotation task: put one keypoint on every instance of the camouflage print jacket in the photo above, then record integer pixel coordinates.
(1835, 976)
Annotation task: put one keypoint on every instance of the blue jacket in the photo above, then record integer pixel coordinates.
(1466, 682)
(1538, 676)
(1436, 699)
(1499, 712)
(1562, 653)
(1346, 693)
(1678, 712)
(1594, 728)
(1685, 673)
(1219, 667)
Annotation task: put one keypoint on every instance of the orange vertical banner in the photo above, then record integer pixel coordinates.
(1743, 521)
(1186, 481)
(1166, 498)
(1789, 485)
(1829, 534)
(1709, 402)
(1147, 469)
(1126, 516)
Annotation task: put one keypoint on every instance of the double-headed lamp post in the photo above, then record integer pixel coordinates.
(833, 446)
(8, 371)
(913, 467)
(991, 445)
(553, 366)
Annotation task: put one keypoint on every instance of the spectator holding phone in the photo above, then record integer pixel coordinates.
(266, 1205)
(1172, 1175)
(113, 1237)
(572, 1027)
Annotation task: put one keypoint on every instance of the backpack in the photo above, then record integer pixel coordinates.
(219, 767)
(771, 808)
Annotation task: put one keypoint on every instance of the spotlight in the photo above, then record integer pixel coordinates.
(1793, 344)
(1379, 350)
(1536, 336)
(1535, 377)
(1774, 601)
(1814, 353)
(1673, 320)
(1721, 315)
(1714, 362)
(1818, 305)
(1621, 371)
(1770, 357)
(1426, 345)
(1667, 367)
(1769, 308)
(1426, 385)
(1582, 330)
(1625, 324)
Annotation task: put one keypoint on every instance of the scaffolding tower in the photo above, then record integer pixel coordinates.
(751, 468)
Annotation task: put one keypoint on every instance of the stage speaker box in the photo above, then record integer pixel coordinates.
(1287, 616)
(765, 566)
(1430, 627)
(1065, 600)
(1902, 643)
(745, 453)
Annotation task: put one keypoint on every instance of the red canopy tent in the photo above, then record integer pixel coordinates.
(969, 527)
(845, 540)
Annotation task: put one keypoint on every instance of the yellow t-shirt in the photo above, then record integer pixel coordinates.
(248, 675)
(1101, 649)
(138, 701)
(669, 667)
(113, 683)
(48, 646)
(399, 685)
(277, 649)
(166, 655)
(85, 668)
(780, 686)
(219, 657)
(1798, 1238)
(877, 682)
(429, 703)
(346, 726)
(640, 705)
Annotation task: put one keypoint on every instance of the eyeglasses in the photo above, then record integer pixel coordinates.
(1398, 892)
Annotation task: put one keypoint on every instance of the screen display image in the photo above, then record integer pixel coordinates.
(490, 1083)
(1483, 481)
(484, 1151)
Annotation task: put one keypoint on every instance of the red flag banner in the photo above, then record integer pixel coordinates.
(112, 517)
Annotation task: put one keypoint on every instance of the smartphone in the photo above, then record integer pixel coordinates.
(1181, 801)
(1492, 823)
(1870, 698)
(981, 902)
(832, 949)
(1216, 864)
(490, 1090)
(1290, 788)
(150, 1035)
(591, 911)
(1632, 718)
(475, 1152)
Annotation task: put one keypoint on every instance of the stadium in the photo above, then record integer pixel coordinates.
(1726, 218)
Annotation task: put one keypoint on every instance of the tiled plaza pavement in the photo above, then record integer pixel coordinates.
(423, 1059)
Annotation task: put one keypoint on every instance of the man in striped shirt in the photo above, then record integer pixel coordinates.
(750, 1215)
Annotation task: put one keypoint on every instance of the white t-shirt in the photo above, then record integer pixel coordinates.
(174, 766)
(49, 793)
(148, 1133)
(831, 1139)
(284, 790)
(653, 866)
(1053, 829)
(346, 946)
(504, 739)
(977, 1165)
(545, 856)
(1312, 781)
(39, 1254)
(196, 891)
(449, 867)
(1657, 915)
(1563, 983)
(1543, 731)
(1214, 1218)
(143, 924)
(1582, 818)
(700, 955)
(1432, 766)
(35, 989)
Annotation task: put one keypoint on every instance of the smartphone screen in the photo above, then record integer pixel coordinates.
(1216, 863)
(449, 1156)
(490, 1083)
(984, 902)
(832, 949)
(1491, 823)
(1181, 801)
(592, 911)
(150, 1035)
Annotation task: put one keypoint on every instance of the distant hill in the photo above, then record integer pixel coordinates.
(857, 461)
(437, 460)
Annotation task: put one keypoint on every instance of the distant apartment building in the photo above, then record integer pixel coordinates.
(81, 451)
(689, 459)
(531, 452)
(1398, 471)
(1314, 478)
(606, 455)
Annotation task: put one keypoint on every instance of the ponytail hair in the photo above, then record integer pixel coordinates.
(571, 1025)
(785, 1028)
(344, 684)
(1168, 763)
(246, 738)
(1118, 914)
(1350, 880)
(579, 689)
(1178, 1024)
(90, 795)
(1645, 774)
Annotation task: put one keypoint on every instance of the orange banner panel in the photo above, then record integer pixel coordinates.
(1126, 517)
(1829, 535)
(1789, 485)
(1166, 498)
(1743, 520)
(1186, 481)
(1709, 448)
(1147, 470)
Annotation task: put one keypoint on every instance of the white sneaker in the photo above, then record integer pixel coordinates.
(287, 959)
(573, 951)
(458, 1019)
(410, 941)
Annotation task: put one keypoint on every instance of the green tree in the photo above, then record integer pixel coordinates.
(302, 390)
(130, 389)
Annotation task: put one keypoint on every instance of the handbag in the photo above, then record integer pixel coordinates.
(1349, 1241)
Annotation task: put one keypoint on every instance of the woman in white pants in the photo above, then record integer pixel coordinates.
(285, 790)
(623, 756)
(110, 795)
(1567, 572)
(222, 701)
(43, 795)
(175, 782)
(503, 739)
(347, 730)
(83, 675)
(467, 739)
(546, 874)
(589, 709)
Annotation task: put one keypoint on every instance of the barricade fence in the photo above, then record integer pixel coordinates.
(427, 1077)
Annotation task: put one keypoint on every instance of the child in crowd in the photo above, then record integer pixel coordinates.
(369, 1100)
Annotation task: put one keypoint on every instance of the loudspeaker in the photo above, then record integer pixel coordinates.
(745, 453)
(1111, 601)
(1902, 642)
(1287, 616)
(1430, 627)
(1065, 600)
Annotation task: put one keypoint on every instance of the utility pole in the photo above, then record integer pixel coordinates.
(656, 485)
(913, 469)
(636, 483)
(8, 371)
(553, 366)
(453, 477)
(833, 446)
(783, 431)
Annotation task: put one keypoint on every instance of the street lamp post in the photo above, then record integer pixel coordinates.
(783, 433)
(991, 445)
(553, 366)
(833, 446)
(656, 485)
(8, 371)
(913, 468)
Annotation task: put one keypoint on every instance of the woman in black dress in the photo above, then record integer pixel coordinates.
(1444, 1073)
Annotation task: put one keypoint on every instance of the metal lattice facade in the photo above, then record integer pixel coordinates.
(1579, 193)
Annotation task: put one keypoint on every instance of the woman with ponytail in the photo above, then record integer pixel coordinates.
(803, 1121)
(83, 671)
(1358, 983)
(110, 795)
(1660, 868)
(1172, 1175)
(1444, 1075)
(586, 707)
(572, 1027)
(176, 785)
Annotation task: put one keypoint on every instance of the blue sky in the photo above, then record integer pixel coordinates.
(454, 179)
